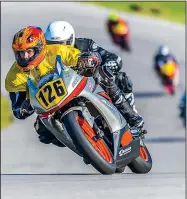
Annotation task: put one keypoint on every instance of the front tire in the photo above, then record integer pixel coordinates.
(143, 163)
(83, 136)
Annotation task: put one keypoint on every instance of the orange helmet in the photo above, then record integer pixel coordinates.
(29, 38)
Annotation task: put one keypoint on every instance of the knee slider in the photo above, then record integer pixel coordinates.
(129, 84)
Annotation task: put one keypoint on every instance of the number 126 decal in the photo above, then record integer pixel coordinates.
(51, 93)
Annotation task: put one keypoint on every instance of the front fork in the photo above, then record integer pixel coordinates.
(91, 121)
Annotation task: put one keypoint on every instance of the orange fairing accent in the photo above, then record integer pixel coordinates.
(75, 93)
(126, 138)
(98, 145)
(103, 94)
(86, 127)
(143, 154)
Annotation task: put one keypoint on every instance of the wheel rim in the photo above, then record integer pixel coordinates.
(98, 145)
(143, 154)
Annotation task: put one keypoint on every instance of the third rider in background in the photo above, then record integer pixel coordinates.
(162, 56)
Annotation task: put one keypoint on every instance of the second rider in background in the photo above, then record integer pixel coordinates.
(118, 29)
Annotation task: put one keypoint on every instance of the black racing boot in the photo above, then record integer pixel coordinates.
(133, 119)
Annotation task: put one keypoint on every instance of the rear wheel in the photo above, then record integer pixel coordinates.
(143, 163)
(128, 48)
(125, 45)
(93, 150)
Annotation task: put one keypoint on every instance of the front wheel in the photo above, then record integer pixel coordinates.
(143, 163)
(94, 150)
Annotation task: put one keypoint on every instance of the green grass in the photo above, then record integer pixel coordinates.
(172, 11)
(6, 113)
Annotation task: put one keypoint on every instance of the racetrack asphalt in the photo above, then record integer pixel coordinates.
(22, 153)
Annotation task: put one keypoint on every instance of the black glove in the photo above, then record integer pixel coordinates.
(26, 108)
(89, 60)
(103, 75)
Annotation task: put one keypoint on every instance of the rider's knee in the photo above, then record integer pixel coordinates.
(124, 82)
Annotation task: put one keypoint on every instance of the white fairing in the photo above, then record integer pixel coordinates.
(60, 31)
(110, 113)
(71, 79)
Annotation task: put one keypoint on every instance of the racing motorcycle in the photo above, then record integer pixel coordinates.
(121, 37)
(170, 76)
(81, 116)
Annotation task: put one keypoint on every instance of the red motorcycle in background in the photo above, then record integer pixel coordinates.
(119, 32)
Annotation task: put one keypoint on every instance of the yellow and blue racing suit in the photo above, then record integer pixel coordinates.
(16, 79)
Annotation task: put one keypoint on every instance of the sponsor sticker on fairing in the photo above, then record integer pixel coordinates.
(125, 151)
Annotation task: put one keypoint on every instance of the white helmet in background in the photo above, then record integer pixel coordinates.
(163, 50)
(60, 32)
